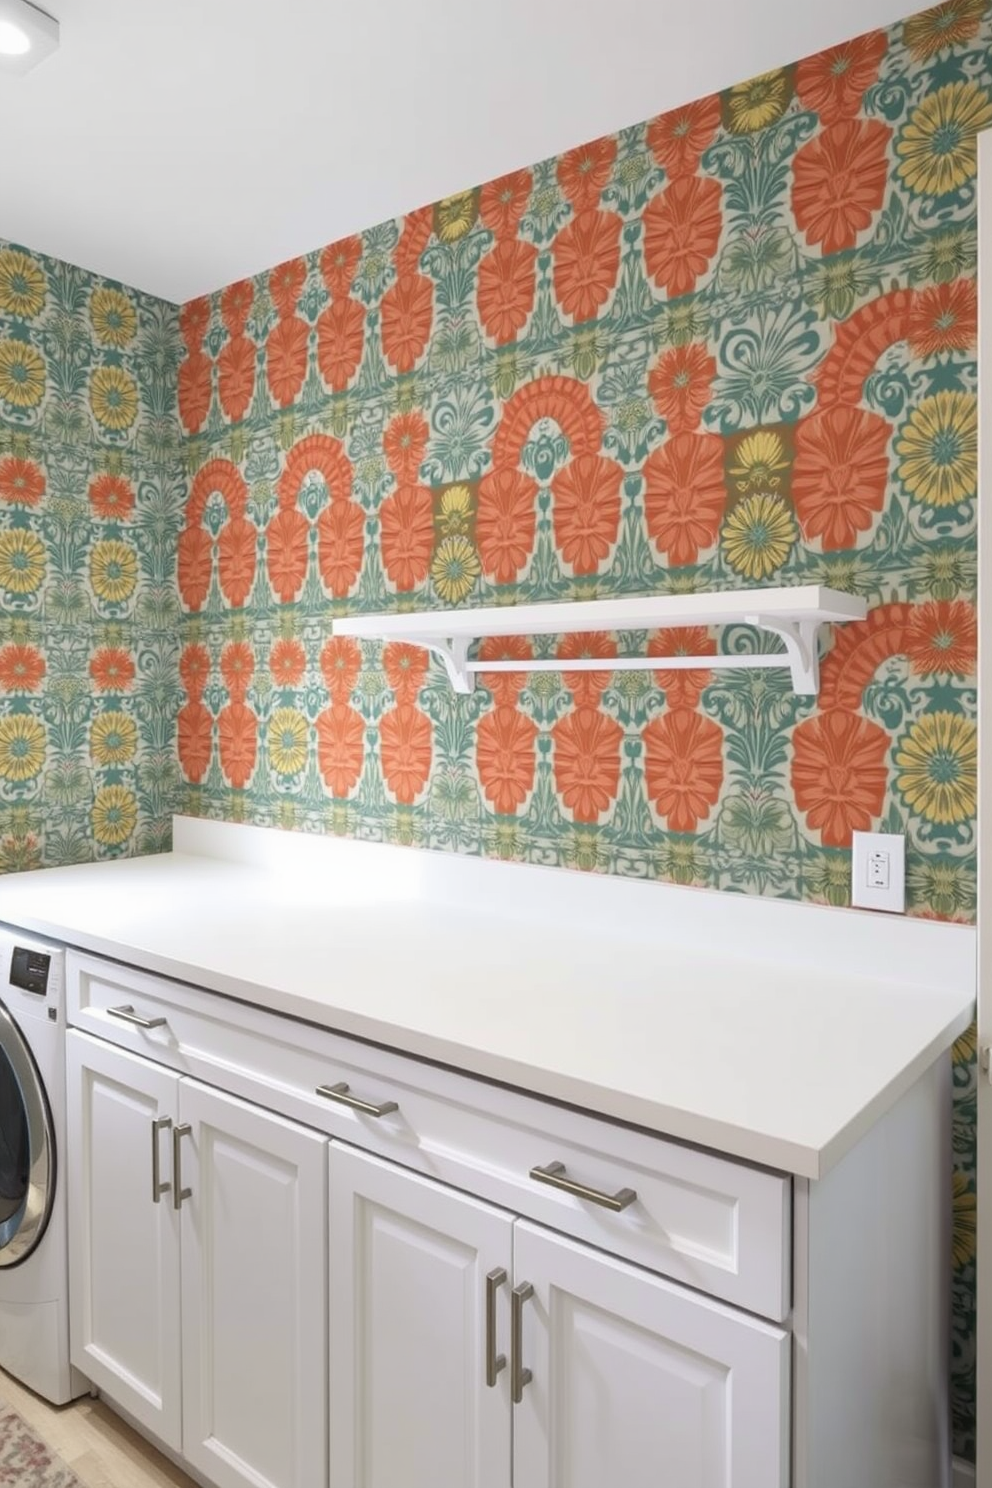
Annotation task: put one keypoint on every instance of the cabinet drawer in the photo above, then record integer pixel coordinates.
(715, 1224)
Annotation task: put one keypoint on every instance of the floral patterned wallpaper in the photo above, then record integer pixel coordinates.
(91, 495)
(729, 347)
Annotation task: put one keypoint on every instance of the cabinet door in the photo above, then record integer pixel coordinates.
(638, 1381)
(254, 1297)
(409, 1262)
(124, 1235)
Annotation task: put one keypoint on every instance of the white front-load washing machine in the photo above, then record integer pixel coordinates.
(34, 1271)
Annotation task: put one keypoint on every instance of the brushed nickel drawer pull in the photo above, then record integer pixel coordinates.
(342, 1094)
(178, 1192)
(554, 1176)
(158, 1187)
(519, 1376)
(128, 1015)
(494, 1361)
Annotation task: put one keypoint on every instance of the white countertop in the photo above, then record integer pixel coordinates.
(658, 1011)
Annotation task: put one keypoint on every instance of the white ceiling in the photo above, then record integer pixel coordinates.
(181, 144)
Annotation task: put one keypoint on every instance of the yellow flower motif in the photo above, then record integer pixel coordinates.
(113, 398)
(287, 741)
(758, 102)
(22, 283)
(456, 509)
(113, 317)
(115, 815)
(965, 1222)
(965, 1048)
(113, 738)
(454, 216)
(22, 374)
(758, 461)
(455, 569)
(938, 449)
(113, 570)
(937, 763)
(758, 535)
(942, 26)
(22, 561)
(22, 747)
(937, 146)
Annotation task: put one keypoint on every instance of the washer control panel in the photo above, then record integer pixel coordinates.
(29, 969)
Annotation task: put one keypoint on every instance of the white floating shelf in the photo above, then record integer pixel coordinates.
(794, 615)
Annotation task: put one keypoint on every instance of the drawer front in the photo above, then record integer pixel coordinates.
(709, 1222)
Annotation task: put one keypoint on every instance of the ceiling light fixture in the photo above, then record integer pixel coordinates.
(27, 35)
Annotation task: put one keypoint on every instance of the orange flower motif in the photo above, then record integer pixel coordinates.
(505, 687)
(683, 767)
(111, 497)
(587, 511)
(682, 688)
(287, 552)
(505, 293)
(340, 749)
(406, 751)
(677, 139)
(417, 229)
(587, 687)
(840, 474)
(682, 228)
(680, 385)
(286, 359)
(195, 391)
(403, 444)
(340, 663)
(943, 637)
(21, 480)
(340, 546)
(338, 264)
(587, 262)
(287, 663)
(237, 667)
(237, 728)
(195, 740)
(406, 525)
(22, 668)
(236, 305)
(236, 377)
(833, 83)
(194, 670)
(944, 318)
(340, 342)
(503, 202)
(839, 774)
(505, 758)
(195, 566)
(111, 669)
(583, 172)
(506, 523)
(286, 283)
(194, 317)
(839, 179)
(237, 554)
(405, 667)
(407, 313)
(684, 496)
(587, 747)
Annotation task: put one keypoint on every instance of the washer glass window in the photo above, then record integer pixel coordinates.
(27, 1150)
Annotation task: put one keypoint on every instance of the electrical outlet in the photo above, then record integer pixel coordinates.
(878, 871)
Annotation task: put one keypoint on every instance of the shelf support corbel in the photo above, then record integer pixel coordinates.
(801, 647)
(453, 654)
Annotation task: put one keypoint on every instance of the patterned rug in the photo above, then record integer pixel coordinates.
(24, 1458)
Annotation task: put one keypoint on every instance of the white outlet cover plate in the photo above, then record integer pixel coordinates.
(893, 898)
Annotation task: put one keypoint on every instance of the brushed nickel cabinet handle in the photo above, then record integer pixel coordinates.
(158, 1187)
(519, 1376)
(178, 1192)
(128, 1015)
(494, 1361)
(342, 1094)
(554, 1176)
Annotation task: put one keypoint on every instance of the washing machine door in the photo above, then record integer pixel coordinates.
(27, 1148)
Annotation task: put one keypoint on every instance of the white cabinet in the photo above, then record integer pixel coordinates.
(198, 1279)
(621, 1377)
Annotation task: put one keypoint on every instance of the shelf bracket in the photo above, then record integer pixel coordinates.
(800, 639)
(454, 655)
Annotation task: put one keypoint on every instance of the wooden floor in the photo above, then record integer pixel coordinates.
(102, 1451)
